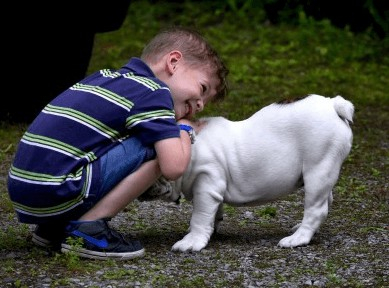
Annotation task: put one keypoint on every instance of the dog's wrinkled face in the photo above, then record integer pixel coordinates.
(162, 189)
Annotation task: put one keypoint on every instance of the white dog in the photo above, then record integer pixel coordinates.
(278, 149)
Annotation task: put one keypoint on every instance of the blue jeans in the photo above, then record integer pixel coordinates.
(115, 165)
(121, 161)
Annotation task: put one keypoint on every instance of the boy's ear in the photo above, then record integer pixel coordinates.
(173, 60)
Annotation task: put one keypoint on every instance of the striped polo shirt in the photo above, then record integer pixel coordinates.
(55, 165)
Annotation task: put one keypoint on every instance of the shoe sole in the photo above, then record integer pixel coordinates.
(42, 242)
(101, 255)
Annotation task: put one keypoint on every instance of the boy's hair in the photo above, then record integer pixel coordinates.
(195, 49)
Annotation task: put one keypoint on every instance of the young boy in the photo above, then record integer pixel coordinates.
(102, 142)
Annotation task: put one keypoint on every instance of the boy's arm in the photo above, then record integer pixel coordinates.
(173, 155)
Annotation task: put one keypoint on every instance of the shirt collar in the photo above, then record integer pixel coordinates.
(137, 66)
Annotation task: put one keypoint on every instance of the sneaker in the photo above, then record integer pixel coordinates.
(99, 241)
(162, 189)
(49, 235)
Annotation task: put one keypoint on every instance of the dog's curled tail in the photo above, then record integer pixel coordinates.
(344, 108)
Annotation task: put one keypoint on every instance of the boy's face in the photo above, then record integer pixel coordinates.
(191, 89)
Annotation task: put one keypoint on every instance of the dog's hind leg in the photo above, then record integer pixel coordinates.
(318, 197)
(330, 199)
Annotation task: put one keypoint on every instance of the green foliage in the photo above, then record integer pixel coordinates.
(230, 210)
(72, 259)
(267, 212)
(332, 270)
(13, 237)
(380, 17)
(119, 274)
(266, 63)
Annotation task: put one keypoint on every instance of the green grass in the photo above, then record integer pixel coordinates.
(267, 63)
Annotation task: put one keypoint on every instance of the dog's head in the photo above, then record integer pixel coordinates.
(162, 189)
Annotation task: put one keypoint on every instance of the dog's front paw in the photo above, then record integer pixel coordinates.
(190, 242)
(300, 238)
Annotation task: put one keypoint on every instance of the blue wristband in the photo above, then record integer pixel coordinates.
(190, 131)
(187, 128)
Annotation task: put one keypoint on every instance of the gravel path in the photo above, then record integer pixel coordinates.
(348, 251)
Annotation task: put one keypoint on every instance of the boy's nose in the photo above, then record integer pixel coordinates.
(199, 105)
